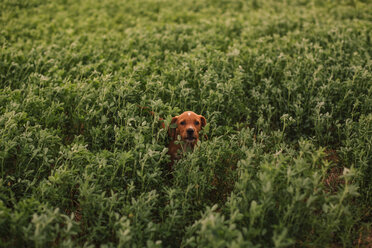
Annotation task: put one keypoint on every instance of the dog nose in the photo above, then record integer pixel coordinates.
(190, 131)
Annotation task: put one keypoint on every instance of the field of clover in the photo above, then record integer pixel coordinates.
(285, 86)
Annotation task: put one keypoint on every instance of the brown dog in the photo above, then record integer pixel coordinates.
(188, 126)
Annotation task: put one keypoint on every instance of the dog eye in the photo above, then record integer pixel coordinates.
(196, 123)
(183, 123)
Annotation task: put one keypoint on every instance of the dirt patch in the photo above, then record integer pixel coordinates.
(331, 155)
(333, 179)
(365, 238)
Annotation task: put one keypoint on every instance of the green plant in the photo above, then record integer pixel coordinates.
(286, 90)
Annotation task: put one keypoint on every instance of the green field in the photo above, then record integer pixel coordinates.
(285, 86)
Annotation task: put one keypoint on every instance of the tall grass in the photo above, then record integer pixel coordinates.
(286, 90)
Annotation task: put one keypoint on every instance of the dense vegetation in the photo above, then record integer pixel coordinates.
(285, 87)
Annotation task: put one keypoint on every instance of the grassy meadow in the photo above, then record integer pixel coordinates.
(285, 86)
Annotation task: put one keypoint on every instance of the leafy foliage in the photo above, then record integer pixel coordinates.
(286, 90)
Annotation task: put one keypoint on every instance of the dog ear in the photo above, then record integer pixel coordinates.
(203, 121)
(172, 130)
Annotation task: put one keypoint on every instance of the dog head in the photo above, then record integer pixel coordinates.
(188, 126)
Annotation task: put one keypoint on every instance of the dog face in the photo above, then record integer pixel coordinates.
(188, 126)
